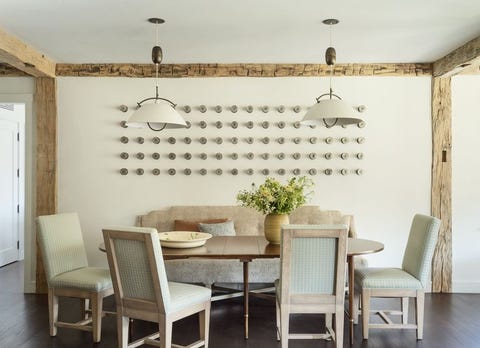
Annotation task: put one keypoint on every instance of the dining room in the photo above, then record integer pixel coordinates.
(243, 91)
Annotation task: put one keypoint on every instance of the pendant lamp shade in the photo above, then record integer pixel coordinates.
(157, 115)
(330, 112)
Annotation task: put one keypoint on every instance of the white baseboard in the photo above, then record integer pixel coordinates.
(464, 286)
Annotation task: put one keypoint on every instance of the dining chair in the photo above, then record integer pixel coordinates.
(312, 278)
(408, 281)
(68, 275)
(142, 290)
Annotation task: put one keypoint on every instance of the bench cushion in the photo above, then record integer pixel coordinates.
(220, 229)
(186, 225)
(246, 222)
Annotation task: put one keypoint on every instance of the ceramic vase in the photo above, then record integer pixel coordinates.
(272, 227)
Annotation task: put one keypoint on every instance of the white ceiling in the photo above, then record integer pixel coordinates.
(242, 31)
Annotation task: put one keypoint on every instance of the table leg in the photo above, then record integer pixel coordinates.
(245, 296)
(351, 289)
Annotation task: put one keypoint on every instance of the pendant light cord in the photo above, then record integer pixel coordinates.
(156, 82)
(331, 66)
(156, 63)
(330, 125)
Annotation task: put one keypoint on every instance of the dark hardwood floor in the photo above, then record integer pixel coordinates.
(450, 321)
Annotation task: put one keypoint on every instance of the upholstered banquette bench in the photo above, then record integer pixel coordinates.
(246, 222)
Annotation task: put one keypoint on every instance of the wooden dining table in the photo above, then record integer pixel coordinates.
(248, 248)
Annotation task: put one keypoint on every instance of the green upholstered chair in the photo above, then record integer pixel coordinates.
(312, 278)
(408, 281)
(68, 274)
(143, 292)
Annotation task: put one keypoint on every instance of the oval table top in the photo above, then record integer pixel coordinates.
(357, 246)
(253, 247)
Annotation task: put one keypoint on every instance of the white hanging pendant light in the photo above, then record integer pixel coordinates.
(159, 114)
(332, 110)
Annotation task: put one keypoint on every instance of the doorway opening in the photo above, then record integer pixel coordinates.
(12, 182)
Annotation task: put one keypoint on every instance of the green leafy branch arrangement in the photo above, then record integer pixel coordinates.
(274, 198)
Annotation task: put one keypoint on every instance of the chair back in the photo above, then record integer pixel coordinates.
(61, 243)
(137, 269)
(313, 259)
(422, 239)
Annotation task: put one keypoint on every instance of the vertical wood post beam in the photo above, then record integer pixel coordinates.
(46, 166)
(442, 182)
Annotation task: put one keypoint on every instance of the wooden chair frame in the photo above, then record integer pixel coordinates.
(312, 303)
(154, 311)
(92, 318)
(429, 233)
(404, 295)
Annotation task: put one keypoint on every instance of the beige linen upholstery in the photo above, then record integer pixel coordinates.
(409, 281)
(312, 280)
(246, 222)
(143, 292)
(68, 274)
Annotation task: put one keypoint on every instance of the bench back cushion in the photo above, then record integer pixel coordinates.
(246, 221)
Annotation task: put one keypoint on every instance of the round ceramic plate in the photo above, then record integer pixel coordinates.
(183, 239)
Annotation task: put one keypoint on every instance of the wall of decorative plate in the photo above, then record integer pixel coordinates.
(242, 140)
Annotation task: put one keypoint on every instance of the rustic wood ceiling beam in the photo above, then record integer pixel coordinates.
(458, 60)
(243, 70)
(473, 69)
(23, 57)
(9, 71)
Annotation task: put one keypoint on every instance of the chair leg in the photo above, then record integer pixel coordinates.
(277, 316)
(52, 311)
(420, 303)
(405, 310)
(97, 305)
(84, 303)
(328, 322)
(165, 331)
(122, 330)
(285, 324)
(339, 317)
(204, 323)
(356, 307)
(365, 312)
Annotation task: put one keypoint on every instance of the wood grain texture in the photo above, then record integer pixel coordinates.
(23, 57)
(8, 70)
(46, 166)
(242, 70)
(459, 59)
(442, 182)
(473, 69)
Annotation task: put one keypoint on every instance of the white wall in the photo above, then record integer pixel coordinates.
(465, 186)
(395, 184)
(396, 167)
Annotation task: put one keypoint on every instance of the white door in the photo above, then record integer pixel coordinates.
(10, 129)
